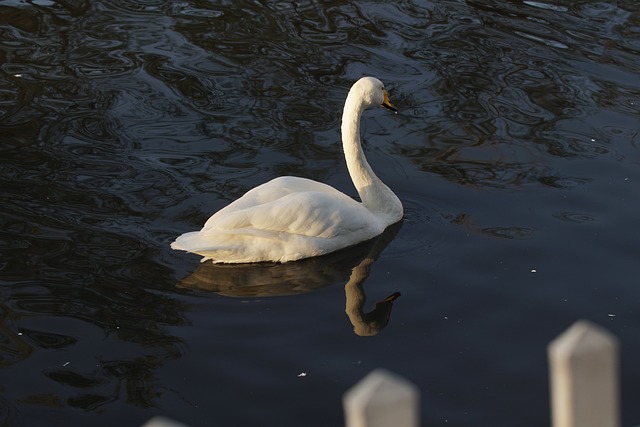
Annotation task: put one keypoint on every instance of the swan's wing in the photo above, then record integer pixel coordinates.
(283, 220)
(300, 207)
(310, 214)
(274, 190)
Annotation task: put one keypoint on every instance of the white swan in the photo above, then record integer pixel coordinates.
(291, 218)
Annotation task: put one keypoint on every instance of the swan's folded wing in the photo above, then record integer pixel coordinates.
(271, 191)
(313, 214)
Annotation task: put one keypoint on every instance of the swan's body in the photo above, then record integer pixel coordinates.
(291, 218)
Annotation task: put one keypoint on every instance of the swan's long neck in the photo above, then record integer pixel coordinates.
(375, 195)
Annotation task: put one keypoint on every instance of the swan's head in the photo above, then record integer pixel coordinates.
(373, 93)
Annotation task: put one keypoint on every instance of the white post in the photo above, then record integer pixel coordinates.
(584, 377)
(160, 421)
(382, 399)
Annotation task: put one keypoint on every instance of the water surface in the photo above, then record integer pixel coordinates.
(126, 123)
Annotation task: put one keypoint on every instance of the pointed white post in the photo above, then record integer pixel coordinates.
(160, 421)
(382, 399)
(584, 377)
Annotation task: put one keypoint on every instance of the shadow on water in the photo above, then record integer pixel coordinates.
(298, 277)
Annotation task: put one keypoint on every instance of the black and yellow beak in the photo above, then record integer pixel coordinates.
(391, 298)
(386, 103)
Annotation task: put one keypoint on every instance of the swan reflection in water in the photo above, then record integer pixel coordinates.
(272, 279)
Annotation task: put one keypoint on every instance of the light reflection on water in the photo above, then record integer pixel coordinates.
(124, 124)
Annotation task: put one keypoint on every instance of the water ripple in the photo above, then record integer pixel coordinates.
(124, 123)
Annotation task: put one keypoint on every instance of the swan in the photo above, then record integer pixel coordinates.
(291, 218)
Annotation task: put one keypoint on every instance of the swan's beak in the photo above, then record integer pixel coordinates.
(391, 298)
(387, 104)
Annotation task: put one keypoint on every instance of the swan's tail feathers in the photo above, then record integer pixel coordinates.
(187, 242)
(196, 242)
(200, 243)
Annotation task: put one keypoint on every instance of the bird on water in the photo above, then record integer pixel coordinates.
(291, 218)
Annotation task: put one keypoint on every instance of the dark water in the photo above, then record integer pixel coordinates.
(124, 124)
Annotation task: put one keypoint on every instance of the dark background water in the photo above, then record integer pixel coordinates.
(124, 124)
